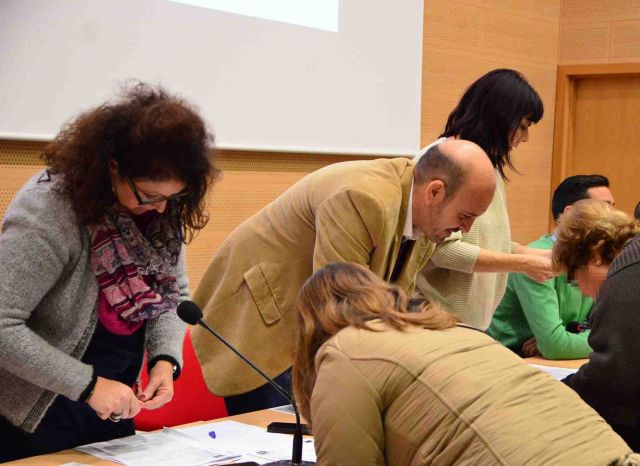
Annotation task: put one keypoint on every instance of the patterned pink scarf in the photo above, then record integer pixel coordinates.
(135, 270)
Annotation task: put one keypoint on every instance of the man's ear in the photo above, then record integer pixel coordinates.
(566, 209)
(435, 191)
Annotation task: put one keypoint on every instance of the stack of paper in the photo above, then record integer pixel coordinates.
(204, 444)
(252, 443)
(168, 447)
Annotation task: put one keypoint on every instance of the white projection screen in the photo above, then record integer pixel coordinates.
(261, 84)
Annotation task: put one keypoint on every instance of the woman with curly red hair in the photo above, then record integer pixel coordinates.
(92, 254)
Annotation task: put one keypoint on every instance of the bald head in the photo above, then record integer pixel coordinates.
(454, 183)
(455, 162)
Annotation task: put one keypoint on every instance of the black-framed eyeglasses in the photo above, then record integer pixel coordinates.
(144, 201)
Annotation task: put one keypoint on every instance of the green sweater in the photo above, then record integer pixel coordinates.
(542, 310)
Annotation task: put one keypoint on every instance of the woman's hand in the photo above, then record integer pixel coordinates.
(530, 348)
(538, 268)
(159, 390)
(112, 397)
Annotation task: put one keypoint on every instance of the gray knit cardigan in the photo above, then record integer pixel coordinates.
(48, 305)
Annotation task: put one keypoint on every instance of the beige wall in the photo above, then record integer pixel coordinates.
(250, 181)
(464, 39)
(599, 31)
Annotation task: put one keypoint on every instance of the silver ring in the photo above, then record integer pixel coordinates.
(115, 417)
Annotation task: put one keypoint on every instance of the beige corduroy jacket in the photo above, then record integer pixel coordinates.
(422, 397)
(346, 212)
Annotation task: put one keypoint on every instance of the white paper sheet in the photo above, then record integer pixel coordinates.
(556, 372)
(251, 442)
(284, 409)
(168, 447)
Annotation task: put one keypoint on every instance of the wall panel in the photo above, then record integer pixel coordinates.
(250, 181)
(599, 31)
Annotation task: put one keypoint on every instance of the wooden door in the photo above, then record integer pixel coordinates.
(607, 134)
(601, 132)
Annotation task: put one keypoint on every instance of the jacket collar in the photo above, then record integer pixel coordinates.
(406, 184)
(415, 258)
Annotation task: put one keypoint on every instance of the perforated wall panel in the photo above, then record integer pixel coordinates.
(599, 31)
(250, 181)
(585, 43)
(625, 41)
(599, 10)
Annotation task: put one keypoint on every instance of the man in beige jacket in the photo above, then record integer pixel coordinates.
(360, 212)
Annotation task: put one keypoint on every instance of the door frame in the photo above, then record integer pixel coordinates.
(563, 137)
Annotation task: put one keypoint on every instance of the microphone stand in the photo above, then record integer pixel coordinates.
(296, 456)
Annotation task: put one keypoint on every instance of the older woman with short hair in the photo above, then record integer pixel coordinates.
(599, 248)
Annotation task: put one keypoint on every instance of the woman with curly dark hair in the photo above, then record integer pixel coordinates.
(92, 254)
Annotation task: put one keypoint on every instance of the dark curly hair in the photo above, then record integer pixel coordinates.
(150, 134)
(490, 111)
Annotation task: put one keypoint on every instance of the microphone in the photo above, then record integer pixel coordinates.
(577, 327)
(189, 312)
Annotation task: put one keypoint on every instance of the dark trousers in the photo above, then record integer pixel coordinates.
(261, 398)
(67, 423)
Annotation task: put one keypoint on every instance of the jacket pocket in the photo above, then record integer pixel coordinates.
(260, 280)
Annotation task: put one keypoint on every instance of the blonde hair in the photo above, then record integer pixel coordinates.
(591, 230)
(342, 295)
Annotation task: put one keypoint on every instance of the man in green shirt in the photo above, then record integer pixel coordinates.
(532, 317)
